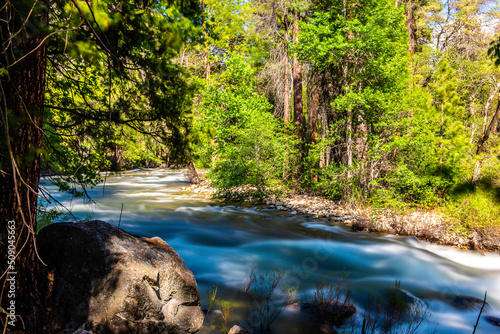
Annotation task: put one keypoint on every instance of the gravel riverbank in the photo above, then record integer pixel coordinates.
(425, 225)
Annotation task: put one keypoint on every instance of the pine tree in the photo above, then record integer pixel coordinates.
(451, 140)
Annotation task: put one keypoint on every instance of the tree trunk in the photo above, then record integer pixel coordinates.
(486, 135)
(410, 25)
(23, 95)
(349, 153)
(298, 114)
(487, 106)
(313, 119)
(323, 162)
(206, 64)
(313, 110)
(441, 135)
(286, 91)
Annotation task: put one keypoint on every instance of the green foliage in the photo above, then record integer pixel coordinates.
(46, 216)
(429, 147)
(363, 48)
(476, 205)
(112, 87)
(372, 38)
(251, 146)
(226, 308)
(449, 117)
(212, 297)
(229, 28)
(408, 187)
(494, 51)
(334, 183)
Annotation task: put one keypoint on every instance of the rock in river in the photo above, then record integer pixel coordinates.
(116, 282)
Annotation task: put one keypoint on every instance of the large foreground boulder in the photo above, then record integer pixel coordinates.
(116, 282)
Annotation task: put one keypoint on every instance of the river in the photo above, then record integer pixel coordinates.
(221, 243)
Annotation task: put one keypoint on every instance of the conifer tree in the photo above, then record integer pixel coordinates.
(449, 119)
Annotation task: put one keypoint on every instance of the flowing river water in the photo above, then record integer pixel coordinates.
(221, 243)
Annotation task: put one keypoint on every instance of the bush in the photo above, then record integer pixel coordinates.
(476, 205)
(252, 148)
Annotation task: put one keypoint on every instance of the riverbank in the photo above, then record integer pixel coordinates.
(431, 226)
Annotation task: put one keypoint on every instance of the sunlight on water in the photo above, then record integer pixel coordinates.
(220, 244)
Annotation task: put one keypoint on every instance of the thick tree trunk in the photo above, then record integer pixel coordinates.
(23, 95)
(298, 114)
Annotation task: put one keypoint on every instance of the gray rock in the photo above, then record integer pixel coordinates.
(117, 282)
(293, 212)
(459, 302)
(493, 320)
(238, 330)
(279, 204)
(332, 312)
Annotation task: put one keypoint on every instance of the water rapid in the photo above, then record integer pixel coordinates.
(221, 243)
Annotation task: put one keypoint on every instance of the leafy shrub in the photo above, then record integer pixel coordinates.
(251, 146)
(476, 204)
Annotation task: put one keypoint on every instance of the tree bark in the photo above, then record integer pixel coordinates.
(23, 96)
(486, 135)
(206, 65)
(206, 62)
(441, 135)
(410, 25)
(298, 114)
(313, 110)
(487, 106)
(313, 118)
(349, 153)
(286, 90)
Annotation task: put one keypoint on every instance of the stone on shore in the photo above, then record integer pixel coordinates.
(238, 330)
(112, 281)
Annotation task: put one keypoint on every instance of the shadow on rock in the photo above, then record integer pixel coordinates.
(111, 281)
